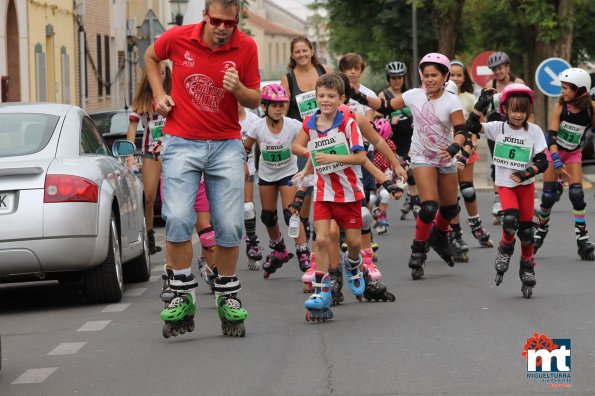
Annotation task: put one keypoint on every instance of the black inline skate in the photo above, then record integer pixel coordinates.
(439, 242)
(505, 251)
(253, 252)
(479, 232)
(167, 293)
(460, 249)
(586, 249)
(540, 234)
(376, 290)
(336, 275)
(277, 258)
(417, 260)
(527, 276)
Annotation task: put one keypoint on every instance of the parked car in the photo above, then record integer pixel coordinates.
(113, 125)
(68, 207)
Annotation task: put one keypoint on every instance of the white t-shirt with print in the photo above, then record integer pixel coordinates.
(245, 124)
(357, 107)
(532, 137)
(276, 160)
(432, 128)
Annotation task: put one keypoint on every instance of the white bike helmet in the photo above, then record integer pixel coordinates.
(578, 77)
(497, 59)
(395, 69)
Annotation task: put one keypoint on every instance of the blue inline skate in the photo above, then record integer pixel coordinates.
(318, 305)
(354, 275)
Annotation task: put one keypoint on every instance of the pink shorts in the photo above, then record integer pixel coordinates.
(201, 204)
(567, 157)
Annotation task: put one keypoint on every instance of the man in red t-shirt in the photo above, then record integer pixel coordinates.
(215, 66)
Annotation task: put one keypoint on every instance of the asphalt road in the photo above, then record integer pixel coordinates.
(453, 332)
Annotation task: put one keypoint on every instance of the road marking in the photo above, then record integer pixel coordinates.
(67, 348)
(95, 325)
(154, 278)
(34, 376)
(135, 292)
(115, 307)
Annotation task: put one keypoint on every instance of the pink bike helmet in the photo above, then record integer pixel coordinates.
(274, 93)
(434, 57)
(383, 127)
(514, 89)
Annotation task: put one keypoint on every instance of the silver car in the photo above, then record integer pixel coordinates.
(69, 209)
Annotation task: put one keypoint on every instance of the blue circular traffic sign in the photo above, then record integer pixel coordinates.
(546, 75)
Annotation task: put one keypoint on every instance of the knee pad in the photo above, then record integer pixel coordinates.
(428, 210)
(526, 233)
(468, 191)
(268, 218)
(384, 197)
(510, 221)
(577, 196)
(286, 216)
(449, 212)
(367, 219)
(373, 199)
(410, 178)
(249, 211)
(549, 196)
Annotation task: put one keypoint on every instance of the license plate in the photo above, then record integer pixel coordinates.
(6, 202)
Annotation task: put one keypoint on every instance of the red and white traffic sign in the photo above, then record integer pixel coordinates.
(480, 72)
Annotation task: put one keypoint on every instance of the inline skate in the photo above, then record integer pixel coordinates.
(303, 256)
(540, 234)
(479, 232)
(206, 273)
(368, 260)
(167, 293)
(376, 289)
(439, 242)
(253, 251)
(419, 250)
(308, 276)
(354, 275)
(586, 249)
(277, 258)
(229, 306)
(527, 276)
(406, 208)
(505, 251)
(336, 275)
(460, 249)
(382, 223)
(319, 303)
(179, 313)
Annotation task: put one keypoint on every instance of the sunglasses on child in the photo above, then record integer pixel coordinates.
(228, 23)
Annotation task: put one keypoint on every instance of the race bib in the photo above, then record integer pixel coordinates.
(331, 144)
(156, 128)
(306, 103)
(401, 114)
(512, 152)
(275, 156)
(570, 135)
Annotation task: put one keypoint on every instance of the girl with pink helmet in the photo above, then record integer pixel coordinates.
(519, 154)
(433, 150)
(274, 134)
(569, 123)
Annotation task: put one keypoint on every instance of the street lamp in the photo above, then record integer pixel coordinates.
(178, 10)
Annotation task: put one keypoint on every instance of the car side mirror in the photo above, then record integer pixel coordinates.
(123, 148)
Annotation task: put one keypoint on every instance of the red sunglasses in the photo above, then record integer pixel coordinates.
(228, 23)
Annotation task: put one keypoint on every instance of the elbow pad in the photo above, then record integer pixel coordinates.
(541, 162)
(460, 130)
(551, 137)
(472, 124)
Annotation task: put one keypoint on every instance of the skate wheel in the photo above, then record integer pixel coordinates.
(489, 243)
(390, 297)
(307, 316)
(417, 273)
(166, 331)
(240, 330)
(499, 279)
(191, 326)
(182, 330)
(527, 291)
(266, 275)
(224, 329)
(175, 332)
(358, 298)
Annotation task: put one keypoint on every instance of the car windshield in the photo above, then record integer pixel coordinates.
(25, 133)
(108, 123)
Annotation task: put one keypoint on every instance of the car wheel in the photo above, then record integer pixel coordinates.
(105, 283)
(139, 269)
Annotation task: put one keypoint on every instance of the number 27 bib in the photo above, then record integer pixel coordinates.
(512, 152)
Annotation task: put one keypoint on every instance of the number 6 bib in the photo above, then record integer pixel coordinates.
(513, 152)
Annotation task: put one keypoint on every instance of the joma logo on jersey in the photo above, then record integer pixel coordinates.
(324, 142)
(508, 139)
(547, 355)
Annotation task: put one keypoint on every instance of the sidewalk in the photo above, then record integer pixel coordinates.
(483, 181)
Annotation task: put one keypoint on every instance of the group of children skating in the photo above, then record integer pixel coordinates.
(418, 142)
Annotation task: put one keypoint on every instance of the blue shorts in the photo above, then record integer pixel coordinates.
(221, 162)
(281, 182)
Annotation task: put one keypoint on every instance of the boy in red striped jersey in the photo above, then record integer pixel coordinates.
(335, 146)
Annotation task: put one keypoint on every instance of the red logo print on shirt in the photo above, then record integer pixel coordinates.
(205, 95)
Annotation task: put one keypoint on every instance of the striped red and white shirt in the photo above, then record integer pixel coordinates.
(144, 119)
(343, 185)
